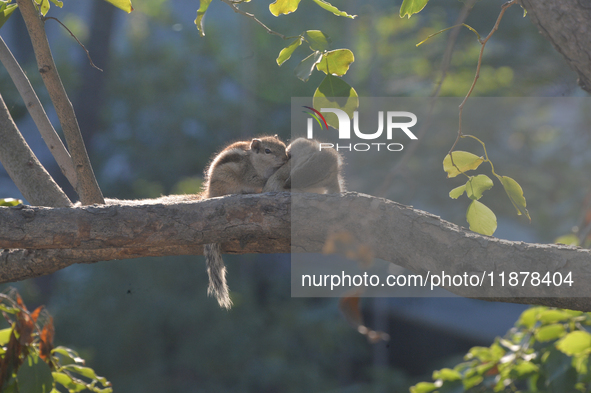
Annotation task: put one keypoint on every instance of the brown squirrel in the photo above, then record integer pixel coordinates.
(241, 168)
(309, 169)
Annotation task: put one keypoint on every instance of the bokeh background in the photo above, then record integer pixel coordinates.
(168, 99)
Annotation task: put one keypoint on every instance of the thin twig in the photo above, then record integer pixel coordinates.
(78, 41)
(483, 44)
(446, 60)
(251, 16)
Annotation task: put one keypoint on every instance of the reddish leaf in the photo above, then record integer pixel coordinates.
(35, 314)
(46, 343)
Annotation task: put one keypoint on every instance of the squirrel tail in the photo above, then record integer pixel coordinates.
(217, 275)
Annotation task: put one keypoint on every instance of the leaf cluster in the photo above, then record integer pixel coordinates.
(547, 351)
(28, 361)
(479, 216)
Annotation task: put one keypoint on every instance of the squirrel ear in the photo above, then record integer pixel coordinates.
(255, 144)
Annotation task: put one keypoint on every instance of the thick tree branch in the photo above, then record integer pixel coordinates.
(565, 23)
(21, 164)
(267, 223)
(53, 141)
(87, 187)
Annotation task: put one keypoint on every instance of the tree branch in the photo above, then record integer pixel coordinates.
(269, 222)
(565, 24)
(53, 141)
(33, 181)
(87, 187)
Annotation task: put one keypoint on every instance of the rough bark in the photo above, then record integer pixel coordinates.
(566, 24)
(23, 167)
(267, 223)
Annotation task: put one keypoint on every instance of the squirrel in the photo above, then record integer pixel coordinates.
(309, 169)
(241, 168)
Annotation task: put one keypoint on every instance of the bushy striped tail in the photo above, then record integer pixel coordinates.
(217, 275)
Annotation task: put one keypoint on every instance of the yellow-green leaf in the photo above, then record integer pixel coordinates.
(423, 387)
(331, 8)
(203, 6)
(575, 343)
(457, 192)
(334, 92)
(283, 7)
(5, 335)
(43, 6)
(569, 240)
(447, 374)
(481, 219)
(317, 40)
(553, 316)
(515, 193)
(550, 332)
(463, 161)
(125, 5)
(477, 185)
(10, 202)
(286, 52)
(410, 7)
(336, 62)
(5, 12)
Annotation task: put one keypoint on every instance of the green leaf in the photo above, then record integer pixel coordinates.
(411, 7)
(481, 219)
(10, 202)
(524, 368)
(43, 6)
(463, 161)
(569, 240)
(5, 11)
(125, 5)
(477, 185)
(470, 382)
(305, 68)
(553, 316)
(423, 387)
(331, 8)
(34, 376)
(447, 374)
(457, 192)
(203, 6)
(283, 7)
(550, 332)
(5, 335)
(317, 40)
(86, 372)
(515, 193)
(68, 353)
(286, 52)
(336, 62)
(575, 343)
(334, 92)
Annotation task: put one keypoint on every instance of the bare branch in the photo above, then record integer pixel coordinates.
(77, 40)
(53, 141)
(87, 187)
(267, 223)
(234, 6)
(24, 169)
